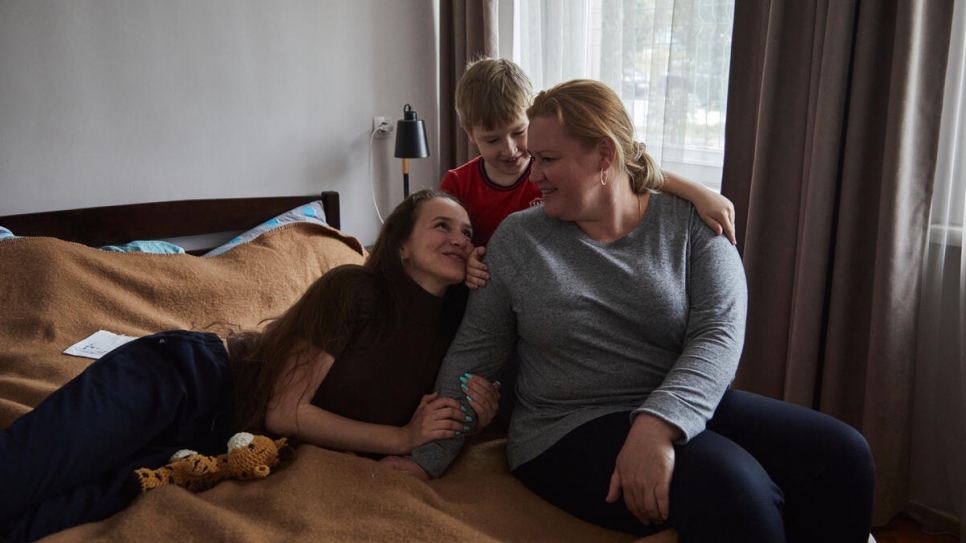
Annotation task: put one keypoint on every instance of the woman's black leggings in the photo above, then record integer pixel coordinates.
(763, 471)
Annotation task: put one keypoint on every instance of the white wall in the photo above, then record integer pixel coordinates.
(107, 102)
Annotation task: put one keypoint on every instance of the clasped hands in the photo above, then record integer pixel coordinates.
(441, 417)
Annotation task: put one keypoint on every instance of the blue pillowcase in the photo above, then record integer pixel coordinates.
(311, 212)
(153, 247)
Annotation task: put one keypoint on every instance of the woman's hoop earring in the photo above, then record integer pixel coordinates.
(602, 182)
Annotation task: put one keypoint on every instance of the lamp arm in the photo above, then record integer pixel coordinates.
(405, 168)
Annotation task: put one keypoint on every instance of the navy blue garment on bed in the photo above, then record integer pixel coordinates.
(69, 461)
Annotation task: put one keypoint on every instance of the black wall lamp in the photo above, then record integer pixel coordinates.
(410, 142)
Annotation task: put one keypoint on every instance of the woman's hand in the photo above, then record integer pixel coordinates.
(717, 212)
(644, 468)
(483, 396)
(435, 418)
(406, 466)
(476, 276)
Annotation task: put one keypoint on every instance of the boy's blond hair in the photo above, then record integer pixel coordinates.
(491, 93)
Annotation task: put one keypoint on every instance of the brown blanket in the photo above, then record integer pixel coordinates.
(55, 293)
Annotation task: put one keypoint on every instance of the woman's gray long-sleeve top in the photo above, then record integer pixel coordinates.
(653, 322)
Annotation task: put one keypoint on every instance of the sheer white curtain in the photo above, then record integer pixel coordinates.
(667, 59)
(939, 435)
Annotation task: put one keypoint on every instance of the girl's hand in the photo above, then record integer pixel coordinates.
(482, 396)
(717, 212)
(406, 466)
(435, 418)
(476, 276)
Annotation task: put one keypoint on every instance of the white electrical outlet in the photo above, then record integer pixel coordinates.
(382, 126)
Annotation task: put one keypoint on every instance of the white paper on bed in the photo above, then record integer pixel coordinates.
(98, 344)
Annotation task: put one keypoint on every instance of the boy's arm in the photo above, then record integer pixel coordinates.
(476, 276)
(714, 209)
(476, 270)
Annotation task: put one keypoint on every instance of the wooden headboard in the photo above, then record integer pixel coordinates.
(111, 225)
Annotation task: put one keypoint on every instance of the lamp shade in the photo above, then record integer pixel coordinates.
(411, 136)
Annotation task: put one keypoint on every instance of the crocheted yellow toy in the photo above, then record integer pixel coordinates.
(248, 457)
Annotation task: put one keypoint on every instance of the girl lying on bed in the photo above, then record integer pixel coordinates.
(388, 324)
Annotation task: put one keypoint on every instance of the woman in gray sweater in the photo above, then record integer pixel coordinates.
(627, 317)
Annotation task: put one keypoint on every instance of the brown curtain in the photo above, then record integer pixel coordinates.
(833, 120)
(468, 30)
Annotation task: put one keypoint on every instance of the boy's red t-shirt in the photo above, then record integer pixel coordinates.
(488, 203)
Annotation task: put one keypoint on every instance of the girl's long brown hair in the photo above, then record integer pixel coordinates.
(325, 315)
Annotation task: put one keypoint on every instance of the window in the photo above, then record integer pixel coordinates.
(949, 191)
(667, 59)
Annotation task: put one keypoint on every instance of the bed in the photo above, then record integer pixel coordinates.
(57, 288)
